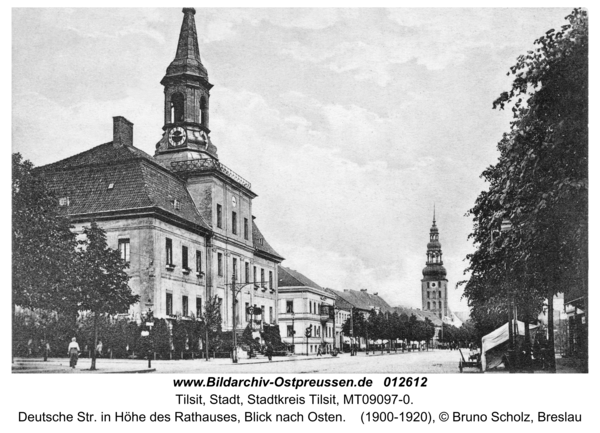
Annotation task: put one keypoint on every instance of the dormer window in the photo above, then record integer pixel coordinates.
(111, 185)
(63, 201)
(176, 204)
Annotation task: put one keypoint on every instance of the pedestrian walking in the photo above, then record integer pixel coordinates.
(73, 352)
(269, 351)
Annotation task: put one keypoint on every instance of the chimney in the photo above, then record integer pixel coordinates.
(363, 290)
(122, 132)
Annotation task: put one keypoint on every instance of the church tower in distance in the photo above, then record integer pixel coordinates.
(434, 285)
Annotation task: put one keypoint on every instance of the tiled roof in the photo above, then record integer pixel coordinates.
(290, 278)
(339, 301)
(364, 300)
(137, 182)
(261, 244)
(420, 314)
(103, 154)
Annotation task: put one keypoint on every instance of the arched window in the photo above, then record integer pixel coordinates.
(177, 107)
(440, 305)
(203, 111)
(428, 305)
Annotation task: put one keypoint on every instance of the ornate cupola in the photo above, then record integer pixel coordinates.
(187, 94)
(434, 269)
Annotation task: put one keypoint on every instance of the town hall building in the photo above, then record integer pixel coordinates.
(181, 218)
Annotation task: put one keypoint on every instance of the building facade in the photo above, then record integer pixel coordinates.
(181, 218)
(304, 305)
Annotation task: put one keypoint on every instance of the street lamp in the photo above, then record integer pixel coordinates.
(234, 292)
(146, 333)
(307, 334)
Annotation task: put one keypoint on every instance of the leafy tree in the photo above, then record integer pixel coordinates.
(161, 338)
(355, 325)
(213, 322)
(539, 184)
(102, 281)
(43, 246)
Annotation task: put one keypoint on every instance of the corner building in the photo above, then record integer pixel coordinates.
(181, 218)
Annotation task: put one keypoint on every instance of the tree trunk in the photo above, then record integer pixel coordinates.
(93, 367)
(551, 354)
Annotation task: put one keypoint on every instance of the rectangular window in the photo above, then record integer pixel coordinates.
(124, 249)
(310, 306)
(246, 228)
(219, 216)
(262, 277)
(234, 223)
(169, 251)
(198, 307)
(220, 264)
(270, 279)
(262, 313)
(235, 273)
(184, 258)
(428, 293)
(270, 314)
(248, 318)
(290, 331)
(198, 261)
(255, 279)
(184, 306)
(289, 306)
(169, 304)
(247, 272)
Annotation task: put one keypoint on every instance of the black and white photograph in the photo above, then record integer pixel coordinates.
(203, 190)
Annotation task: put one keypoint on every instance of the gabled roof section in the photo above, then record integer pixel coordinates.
(290, 278)
(261, 245)
(364, 300)
(108, 179)
(339, 301)
(105, 153)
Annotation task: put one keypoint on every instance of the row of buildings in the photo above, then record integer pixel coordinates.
(184, 222)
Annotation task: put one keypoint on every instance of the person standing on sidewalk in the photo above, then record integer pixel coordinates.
(73, 352)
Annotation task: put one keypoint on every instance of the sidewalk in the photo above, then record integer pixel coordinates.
(104, 365)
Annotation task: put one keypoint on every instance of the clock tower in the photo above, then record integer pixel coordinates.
(434, 285)
(187, 93)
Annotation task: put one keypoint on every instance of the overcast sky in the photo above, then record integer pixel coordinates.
(349, 123)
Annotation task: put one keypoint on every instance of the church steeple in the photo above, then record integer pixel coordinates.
(187, 94)
(434, 283)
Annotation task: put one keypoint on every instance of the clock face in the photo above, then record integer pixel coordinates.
(234, 201)
(432, 284)
(177, 137)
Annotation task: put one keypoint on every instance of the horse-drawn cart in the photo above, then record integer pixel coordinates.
(473, 362)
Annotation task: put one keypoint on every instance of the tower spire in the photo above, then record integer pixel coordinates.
(434, 214)
(187, 58)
